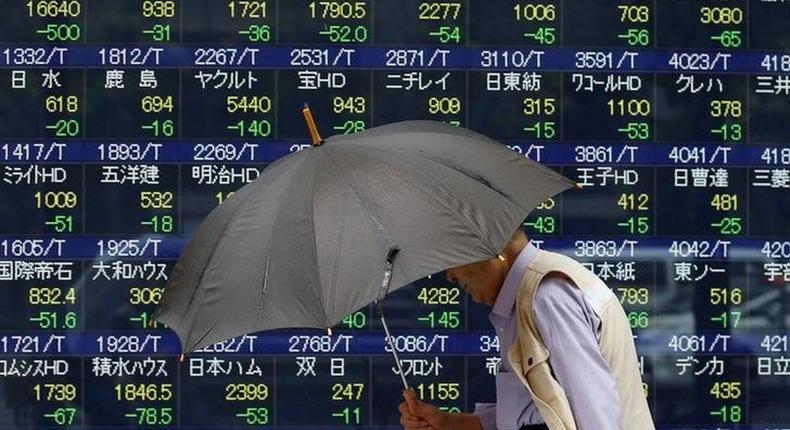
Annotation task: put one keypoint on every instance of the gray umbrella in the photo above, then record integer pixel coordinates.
(305, 244)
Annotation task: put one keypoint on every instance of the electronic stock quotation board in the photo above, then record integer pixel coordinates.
(124, 122)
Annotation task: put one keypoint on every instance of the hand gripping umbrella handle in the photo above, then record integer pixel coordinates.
(385, 285)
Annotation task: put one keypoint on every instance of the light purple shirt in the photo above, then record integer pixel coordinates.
(570, 330)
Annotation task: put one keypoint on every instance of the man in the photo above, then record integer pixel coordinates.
(568, 356)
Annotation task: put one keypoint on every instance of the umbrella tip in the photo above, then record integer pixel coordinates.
(182, 357)
(578, 186)
(311, 126)
(329, 331)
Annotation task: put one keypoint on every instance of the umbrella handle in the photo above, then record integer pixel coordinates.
(385, 285)
(394, 351)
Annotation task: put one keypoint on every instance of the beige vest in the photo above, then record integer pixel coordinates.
(529, 354)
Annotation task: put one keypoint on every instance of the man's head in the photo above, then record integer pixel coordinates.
(483, 279)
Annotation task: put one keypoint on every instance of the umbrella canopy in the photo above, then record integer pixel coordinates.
(304, 244)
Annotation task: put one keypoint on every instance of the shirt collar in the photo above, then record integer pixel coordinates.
(503, 306)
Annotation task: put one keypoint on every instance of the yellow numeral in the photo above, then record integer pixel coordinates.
(439, 10)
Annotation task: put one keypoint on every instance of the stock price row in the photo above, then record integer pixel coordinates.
(735, 24)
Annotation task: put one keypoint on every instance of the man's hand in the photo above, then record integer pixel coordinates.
(418, 415)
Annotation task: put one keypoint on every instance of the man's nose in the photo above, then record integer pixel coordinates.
(451, 276)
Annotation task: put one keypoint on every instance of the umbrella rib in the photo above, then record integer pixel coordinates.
(337, 253)
(549, 174)
(379, 227)
(470, 223)
(219, 242)
(264, 281)
(362, 200)
(221, 236)
(198, 341)
(383, 231)
(315, 241)
(475, 178)
(266, 274)
(265, 286)
(477, 139)
(543, 170)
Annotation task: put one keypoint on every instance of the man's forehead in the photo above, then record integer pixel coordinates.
(472, 265)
